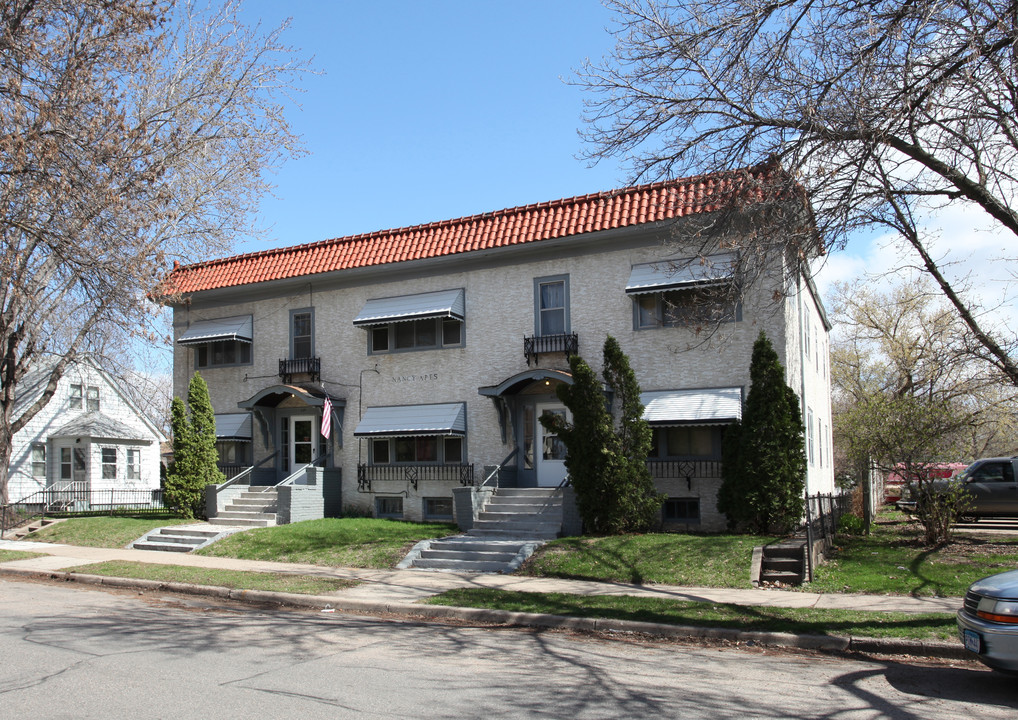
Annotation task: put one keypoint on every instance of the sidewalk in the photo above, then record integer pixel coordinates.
(396, 591)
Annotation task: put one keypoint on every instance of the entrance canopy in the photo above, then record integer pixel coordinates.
(397, 420)
(206, 331)
(275, 394)
(675, 274)
(441, 304)
(715, 406)
(520, 382)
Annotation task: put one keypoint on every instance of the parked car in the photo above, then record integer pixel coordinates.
(988, 621)
(992, 484)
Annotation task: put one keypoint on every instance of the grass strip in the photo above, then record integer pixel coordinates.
(664, 558)
(808, 621)
(234, 579)
(105, 531)
(8, 555)
(892, 560)
(331, 542)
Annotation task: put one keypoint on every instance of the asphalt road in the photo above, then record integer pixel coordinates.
(73, 652)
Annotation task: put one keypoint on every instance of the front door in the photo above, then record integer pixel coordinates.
(551, 451)
(302, 441)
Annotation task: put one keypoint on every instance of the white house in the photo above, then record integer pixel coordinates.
(439, 346)
(89, 437)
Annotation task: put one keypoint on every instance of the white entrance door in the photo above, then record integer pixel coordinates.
(303, 437)
(551, 451)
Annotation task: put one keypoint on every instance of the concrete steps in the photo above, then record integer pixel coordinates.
(170, 539)
(24, 531)
(514, 523)
(784, 563)
(252, 508)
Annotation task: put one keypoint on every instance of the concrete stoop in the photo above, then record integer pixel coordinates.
(513, 523)
(177, 539)
(253, 508)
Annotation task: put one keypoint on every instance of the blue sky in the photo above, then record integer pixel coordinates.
(432, 110)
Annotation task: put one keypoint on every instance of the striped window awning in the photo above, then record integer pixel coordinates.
(397, 420)
(205, 331)
(440, 304)
(687, 272)
(713, 406)
(233, 426)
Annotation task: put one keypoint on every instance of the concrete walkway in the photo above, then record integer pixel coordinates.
(386, 587)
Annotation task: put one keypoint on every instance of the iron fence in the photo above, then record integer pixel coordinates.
(75, 500)
(820, 522)
(677, 469)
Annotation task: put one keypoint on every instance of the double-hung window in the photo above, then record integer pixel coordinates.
(92, 399)
(133, 464)
(302, 334)
(77, 393)
(39, 461)
(109, 463)
(551, 305)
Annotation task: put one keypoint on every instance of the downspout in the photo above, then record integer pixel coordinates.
(802, 409)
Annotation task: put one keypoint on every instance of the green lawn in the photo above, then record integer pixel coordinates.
(891, 560)
(929, 626)
(234, 579)
(105, 531)
(8, 555)
(668, 558)
(332, 542)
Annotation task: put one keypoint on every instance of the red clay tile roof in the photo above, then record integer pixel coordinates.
(513, 226)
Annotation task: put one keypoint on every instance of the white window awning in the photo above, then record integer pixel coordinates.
(687, 272)
(230, 328)
(713, 406)
(233, 426)
(440, 304)
(443, 419)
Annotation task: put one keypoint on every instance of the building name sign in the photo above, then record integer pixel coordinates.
(426, 377)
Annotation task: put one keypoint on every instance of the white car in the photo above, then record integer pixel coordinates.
(988, 621)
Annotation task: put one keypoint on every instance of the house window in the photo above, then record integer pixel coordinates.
(805, 333)
(133, 464)
(417, 450)
(39, 461)
(438, 508)
(65, 463)
(427, 334)
(232, 452)
(683, 441)
(809, 435)
(681, 510)
(301, 334)
(92, 399)
(389, 507)
(689, 306)
(76, 396)
(109, 463)
(551, 305)
(222, 353)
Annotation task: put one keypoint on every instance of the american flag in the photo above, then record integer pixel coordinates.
(327, 418)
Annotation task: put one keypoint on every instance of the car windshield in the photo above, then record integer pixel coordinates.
(967, 472)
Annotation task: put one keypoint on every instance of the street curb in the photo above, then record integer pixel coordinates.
(873, 646)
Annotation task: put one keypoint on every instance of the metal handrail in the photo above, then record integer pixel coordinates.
(245, 473)
(292, 477)
(498, 469)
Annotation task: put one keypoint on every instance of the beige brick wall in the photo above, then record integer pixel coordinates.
(499, 293)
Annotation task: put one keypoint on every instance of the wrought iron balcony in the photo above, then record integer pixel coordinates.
(300, 366)
(413, 474)
(537, 345)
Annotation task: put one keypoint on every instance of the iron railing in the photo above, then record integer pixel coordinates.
(537, 345)
(820, 522)
(413, 474)
(297, 366)
(75, 500)
(495, 473)
(231, 470)
(687, 469)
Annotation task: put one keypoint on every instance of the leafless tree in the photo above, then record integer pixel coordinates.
(885, 111)
(132, 132)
